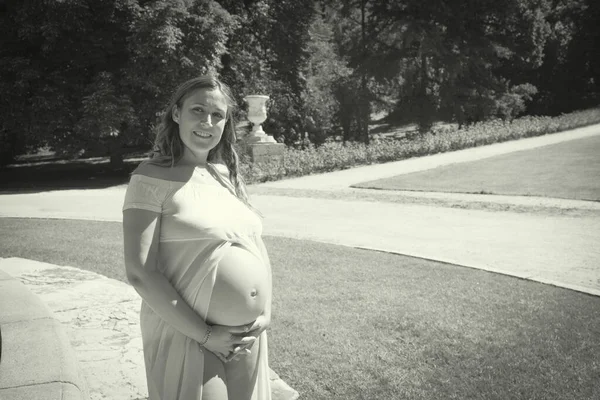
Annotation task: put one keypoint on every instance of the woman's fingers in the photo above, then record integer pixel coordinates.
(227, 345)
(255, 325)
(237, 353)
(241, 328)
(242, 340)
(241, 349)
(247, 340)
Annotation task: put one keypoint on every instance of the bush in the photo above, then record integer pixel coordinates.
(333, 156)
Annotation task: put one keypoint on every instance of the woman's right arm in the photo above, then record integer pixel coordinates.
(141, 230)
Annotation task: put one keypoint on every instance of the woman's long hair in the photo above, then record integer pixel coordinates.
(168, 146)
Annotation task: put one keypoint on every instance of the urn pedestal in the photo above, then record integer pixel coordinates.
(264, 152)
(258, 145)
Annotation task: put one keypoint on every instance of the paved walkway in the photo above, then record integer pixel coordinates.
(101, 319)
(557, 249)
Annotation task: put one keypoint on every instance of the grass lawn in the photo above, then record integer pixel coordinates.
(569, 170)
(355, 324)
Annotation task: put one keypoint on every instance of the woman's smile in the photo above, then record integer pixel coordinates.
(202, 134)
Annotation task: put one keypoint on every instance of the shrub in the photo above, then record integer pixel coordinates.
(333, 156)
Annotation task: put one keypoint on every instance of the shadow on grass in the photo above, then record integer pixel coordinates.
(35, 177)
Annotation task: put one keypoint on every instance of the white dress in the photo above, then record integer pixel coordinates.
(199, 222)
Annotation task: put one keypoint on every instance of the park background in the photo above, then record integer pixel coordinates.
(351, 83)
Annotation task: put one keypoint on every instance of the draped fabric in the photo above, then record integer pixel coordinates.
(200, 220)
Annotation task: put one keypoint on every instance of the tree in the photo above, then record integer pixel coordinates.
(170, 42)
(325, 75)
(353, 28)
(266, 55)
(448, 57)
(79, 74)
(51, 52)
(569, 77)
(107, 115)
(82, 73)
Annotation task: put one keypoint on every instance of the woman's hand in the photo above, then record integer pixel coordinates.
(259, 325)
(251, 333)
(224, 339)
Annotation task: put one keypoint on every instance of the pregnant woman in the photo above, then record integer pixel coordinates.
(194, 253)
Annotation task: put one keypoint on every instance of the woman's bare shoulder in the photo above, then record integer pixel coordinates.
(152, 170)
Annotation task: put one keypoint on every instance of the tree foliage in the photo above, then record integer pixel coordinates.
(168, 43)
(446, 58)
(85, 75)
(266, 54)
(569, 77)
(83, 72)
(325, 73)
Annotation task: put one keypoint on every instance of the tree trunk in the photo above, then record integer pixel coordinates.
(346, 122)
(365, 110)
(425, 108)
(8, 147)
(116, 154)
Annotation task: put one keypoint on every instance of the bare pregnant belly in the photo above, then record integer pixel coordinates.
(239, 294)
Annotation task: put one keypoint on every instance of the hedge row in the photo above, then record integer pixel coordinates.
(333, 156)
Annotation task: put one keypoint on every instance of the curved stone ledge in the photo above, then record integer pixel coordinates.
(37, 361)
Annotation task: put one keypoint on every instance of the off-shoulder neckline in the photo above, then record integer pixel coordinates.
(219, 181)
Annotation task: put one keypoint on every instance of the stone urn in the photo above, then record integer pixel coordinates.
(257, 114)
(260, 147)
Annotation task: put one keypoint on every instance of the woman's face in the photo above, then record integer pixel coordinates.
(201, 120)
